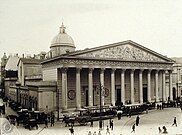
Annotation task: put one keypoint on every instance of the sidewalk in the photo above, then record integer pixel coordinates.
(149, 124)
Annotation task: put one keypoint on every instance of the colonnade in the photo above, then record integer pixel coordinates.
(112, 91)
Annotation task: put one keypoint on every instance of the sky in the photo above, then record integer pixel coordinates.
(28, 26)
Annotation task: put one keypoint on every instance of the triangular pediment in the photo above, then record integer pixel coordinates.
(127, 50)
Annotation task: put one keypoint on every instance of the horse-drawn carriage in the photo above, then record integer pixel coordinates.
(90, 114)
(134, 109)
(30, 119)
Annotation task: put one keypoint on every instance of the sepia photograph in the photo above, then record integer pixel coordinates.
(90, 67)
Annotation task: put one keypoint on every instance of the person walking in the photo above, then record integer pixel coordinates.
(99, 133)
(89, 133)
(107, 130)
(71, 130)
(174, 122)
(111, 124)
(91, 123)
(137, 120)
(52, 119)
(159, 130)
(94, 133)
(46, 121)
(164, 130)
(133, 128)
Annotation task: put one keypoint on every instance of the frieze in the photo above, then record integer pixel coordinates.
(123, 52)
(113, 64)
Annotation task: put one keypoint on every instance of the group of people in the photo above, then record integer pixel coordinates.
(160, 107)
(50, 119)
(95, 133)
(160, 130)
(164, 130)
(136, 123)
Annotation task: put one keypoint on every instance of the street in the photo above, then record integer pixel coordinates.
(149, 124)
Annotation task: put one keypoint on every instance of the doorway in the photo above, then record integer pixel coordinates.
(86, 95)
(174, 93)
(86, 98)
(145, 95)
(118, 94)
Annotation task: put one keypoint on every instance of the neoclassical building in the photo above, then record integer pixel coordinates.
(127, 71)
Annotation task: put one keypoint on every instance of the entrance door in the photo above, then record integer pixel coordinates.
(86, 96)
(144, 94)
(174, 93)
(85, 90)
(118, 95)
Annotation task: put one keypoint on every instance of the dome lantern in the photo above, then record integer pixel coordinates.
(62, 43)
(62, 28)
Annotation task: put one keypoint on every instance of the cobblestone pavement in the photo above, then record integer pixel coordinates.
(149, 124)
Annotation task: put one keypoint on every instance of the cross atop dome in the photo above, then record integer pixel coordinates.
(62, 28)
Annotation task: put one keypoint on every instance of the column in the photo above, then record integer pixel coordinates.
(149, 85)
(123, 86)
(78, 89)
(170, 85)
(141, 85)
(157, 86)
(102, 85)
(163, 86)
(113, 86)
(64, 88)
(132, 85)
(90, 86)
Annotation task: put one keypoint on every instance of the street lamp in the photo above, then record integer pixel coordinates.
(101, 93)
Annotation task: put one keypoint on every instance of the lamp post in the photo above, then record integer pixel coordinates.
(100, 120)
(101, 93)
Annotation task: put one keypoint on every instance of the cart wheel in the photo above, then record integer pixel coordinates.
(83, 122)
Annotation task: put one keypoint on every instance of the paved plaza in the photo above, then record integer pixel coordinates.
(149, 124)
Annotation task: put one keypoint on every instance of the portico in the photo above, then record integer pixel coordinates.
(136, 86)
(128, 73)
(130, 81)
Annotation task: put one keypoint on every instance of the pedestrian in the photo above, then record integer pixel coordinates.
(174, 122)
(46, 121)
(89, 133)
(91, 123)
(52, 120)
(130, 113)
(164, 129)
(94, 133)
(160, 106)
(137, 120)
(119, 115)
(157, 107)
(71, 130)
(107, 130)
(133, 128)
(99, 133)
(111, 124)
(159, 130)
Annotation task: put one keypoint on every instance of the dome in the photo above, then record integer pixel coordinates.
(62, 39)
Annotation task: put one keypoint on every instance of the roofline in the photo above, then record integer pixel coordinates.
(116, 44)
(107, 46)
(101, 59)
(28, 63)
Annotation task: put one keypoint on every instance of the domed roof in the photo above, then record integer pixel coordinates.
(62, 39)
